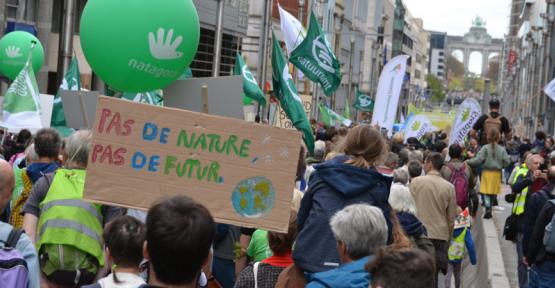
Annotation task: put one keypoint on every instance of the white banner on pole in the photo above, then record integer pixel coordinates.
(549, 89)
(417, 126)
(389, 89)
(467, 114)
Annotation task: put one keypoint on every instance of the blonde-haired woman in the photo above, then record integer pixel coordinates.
(493, 158)
(348, 178)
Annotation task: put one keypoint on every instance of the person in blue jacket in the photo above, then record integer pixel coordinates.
(360, 231)
(461, 241)
(347, 179)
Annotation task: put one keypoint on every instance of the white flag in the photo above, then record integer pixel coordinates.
(417, 126)
(550, 89)
(292, 30)
(21, 108)
(389, 89)
(467, 114)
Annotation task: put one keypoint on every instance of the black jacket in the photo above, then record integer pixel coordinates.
(533, 207)
(536, 251)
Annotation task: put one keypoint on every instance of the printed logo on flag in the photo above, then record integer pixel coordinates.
(397, 68)
(248, 75)
(164, 50)
(320, 50)
(13, 51)
(415, 126)
(466, 114)
(364, 100)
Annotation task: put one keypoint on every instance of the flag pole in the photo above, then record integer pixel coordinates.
(263, 51)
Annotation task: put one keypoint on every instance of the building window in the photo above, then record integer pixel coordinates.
(439, 74)
(440, 67)
(440, 53)
(21, 10)
(440, 60)
(204, 59)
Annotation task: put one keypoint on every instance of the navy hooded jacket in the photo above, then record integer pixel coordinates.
(333, 186)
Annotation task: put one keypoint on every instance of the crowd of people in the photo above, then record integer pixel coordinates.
(367, 211)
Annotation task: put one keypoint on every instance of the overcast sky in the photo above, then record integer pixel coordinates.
(455, 17)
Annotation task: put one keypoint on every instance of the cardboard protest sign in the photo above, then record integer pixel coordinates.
(281, 118)
(244, 173)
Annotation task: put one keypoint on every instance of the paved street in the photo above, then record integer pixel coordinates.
(508, 248)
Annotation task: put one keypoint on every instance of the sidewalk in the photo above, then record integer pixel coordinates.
(508, 248)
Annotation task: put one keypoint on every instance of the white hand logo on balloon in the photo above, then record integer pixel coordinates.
(164, 50)
(13, 51)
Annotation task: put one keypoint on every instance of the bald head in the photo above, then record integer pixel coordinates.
(551, 175)
(7, 182)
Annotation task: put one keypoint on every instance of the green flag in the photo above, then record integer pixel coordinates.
(331, 118)
(287, 94)
(250, 86)
(152, 97)
(71, 82)
(326, 119)
(316, 60)
(363, 102)
(347, 109)
(21, 102)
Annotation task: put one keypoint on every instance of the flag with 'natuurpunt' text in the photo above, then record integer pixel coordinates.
(316, 60)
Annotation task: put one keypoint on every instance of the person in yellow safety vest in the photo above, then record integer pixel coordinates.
(66, 229)
(462, 240)
(521, 188)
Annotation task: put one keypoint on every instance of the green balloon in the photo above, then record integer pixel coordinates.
(14, 50)
(139, 45)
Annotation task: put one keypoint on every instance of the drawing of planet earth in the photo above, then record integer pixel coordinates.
(253, 197)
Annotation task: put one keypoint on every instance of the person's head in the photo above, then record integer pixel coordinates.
(455, 151)
(179, 235)
(319, 150)
(48, 143)
(7, 183)
(124, 238)
(473, 142)
(404, 156)
(31, 155)
(360, 230)
(398, 139)
(551, 174)
(281, 243)
(540, 135)
(401, 200)
(401, 268)
(533, 162)
(494, 105)
(401, 176)
(365, 145)
(76, 149)
(392, 160)
(416, 155)
(415, 169)
(24, 138)
(493, 136)
(434, 161)
(549, 142)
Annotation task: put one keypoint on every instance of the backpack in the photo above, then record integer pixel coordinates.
(549, 236)
(16, 218)
(489, 124)
(14, 272)
(460, 181)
